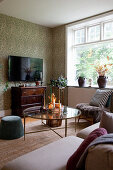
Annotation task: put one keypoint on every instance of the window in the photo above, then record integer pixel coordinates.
(80, 36)
(94, 33)
(108, 30)
(89, 44)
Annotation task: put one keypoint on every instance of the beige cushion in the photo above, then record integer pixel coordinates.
(85, 132)
(107, 121)
(100, 157)
(53, 156)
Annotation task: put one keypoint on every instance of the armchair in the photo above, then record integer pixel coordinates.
(102, 100)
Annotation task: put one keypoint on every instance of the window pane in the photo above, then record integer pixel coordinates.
(89, 56)
(79, 36)
(94, 33)
(108, 30)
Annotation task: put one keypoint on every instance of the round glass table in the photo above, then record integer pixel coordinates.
(52, 117)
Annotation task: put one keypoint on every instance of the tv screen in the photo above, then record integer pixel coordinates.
(25, 69)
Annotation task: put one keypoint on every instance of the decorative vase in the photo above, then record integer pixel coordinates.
(102, 80)
(27, 76)
(81, 81)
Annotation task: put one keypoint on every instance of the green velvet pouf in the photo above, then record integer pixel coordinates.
(11, 127)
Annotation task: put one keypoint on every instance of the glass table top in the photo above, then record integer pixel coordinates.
(55, 114)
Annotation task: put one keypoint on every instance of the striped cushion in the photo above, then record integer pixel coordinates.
(100, 98)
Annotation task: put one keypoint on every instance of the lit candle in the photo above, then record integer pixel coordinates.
(50, 106)
(59, 106)
(59, 95)
(54, 102)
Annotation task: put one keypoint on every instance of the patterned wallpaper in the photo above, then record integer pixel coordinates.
(18, 37)
(59, 56)
(58, 51)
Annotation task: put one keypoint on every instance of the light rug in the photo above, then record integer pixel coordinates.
(11, 149)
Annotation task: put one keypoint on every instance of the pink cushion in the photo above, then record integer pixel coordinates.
(73, 160)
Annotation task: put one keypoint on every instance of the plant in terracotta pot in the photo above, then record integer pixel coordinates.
(81, 80)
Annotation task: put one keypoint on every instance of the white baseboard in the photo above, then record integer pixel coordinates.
(5, 113)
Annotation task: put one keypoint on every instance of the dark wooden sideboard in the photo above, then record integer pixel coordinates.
(24, 97)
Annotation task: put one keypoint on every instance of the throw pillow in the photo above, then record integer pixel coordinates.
(73, 160)
(100, 98)
(108, 101)
(107, 121)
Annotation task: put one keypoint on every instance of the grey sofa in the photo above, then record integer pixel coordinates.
(54, 156)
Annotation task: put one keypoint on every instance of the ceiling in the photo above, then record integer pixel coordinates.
(52, 13)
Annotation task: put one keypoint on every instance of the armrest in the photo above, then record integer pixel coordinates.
(85, 132)
(100, 157)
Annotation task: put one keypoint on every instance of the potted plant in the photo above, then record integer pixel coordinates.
(81, 80)
(61, 82)
(102, 69)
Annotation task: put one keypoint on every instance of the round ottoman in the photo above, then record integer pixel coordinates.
(11, 127)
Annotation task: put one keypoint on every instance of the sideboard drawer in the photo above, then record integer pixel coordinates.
(31, 99)
(29, 92)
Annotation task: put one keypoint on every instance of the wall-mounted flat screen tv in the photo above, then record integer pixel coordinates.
(25, 68)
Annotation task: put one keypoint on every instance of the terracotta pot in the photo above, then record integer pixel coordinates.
(102, 80)
(81, 81)
(37, 83)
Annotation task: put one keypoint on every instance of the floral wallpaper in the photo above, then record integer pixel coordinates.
(59, 56)
(58, 51)
(18, 37)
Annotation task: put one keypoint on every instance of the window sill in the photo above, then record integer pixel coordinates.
(93, 87)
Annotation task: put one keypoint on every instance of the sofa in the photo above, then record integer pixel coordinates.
(54, 156)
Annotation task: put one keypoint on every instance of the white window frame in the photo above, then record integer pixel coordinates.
(88, 31)
(84, 34)
(99, 20)
(104, 26)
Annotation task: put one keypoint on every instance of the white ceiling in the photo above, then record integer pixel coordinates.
(52, 13)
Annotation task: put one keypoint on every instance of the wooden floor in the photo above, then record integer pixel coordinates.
(29, 120)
